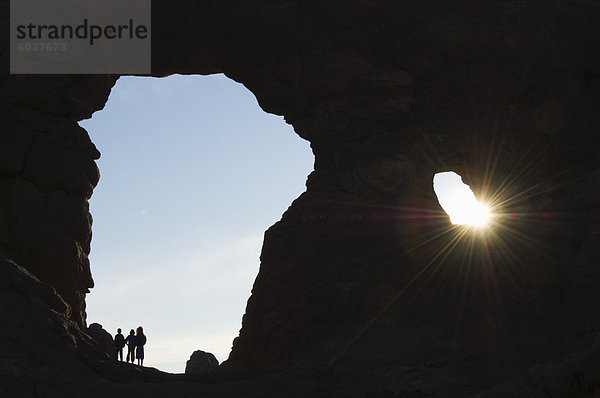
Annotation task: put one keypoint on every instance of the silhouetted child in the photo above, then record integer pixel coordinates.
(131, 341)
(140, 341)
(119, 344)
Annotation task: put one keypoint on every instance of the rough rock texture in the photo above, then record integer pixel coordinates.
(364, 289)
(103, 340)
(47, 173)
(201, 362)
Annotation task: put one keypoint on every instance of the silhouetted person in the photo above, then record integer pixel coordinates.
(139, 348)
(119, 344)
(131, 341)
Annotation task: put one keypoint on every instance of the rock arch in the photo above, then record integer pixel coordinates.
(388, 93)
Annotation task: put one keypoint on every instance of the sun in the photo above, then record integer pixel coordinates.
(459, 202)
(470, 213)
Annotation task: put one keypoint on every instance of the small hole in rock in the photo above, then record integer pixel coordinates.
(459, 202)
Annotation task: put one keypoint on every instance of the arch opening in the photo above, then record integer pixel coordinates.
(193, 173)
(459, 202)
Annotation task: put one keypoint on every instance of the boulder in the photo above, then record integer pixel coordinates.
(103, 339)
(201, 362)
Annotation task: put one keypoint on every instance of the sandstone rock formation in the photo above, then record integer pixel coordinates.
(103, 340)
(359, 291)
(201, 362)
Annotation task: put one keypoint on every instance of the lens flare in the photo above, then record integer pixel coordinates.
(459, 202)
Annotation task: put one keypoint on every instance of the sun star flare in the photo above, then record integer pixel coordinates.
(459, 202)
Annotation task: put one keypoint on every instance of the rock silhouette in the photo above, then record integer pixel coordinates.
(357, 291)
(103, 339)
(201, 362)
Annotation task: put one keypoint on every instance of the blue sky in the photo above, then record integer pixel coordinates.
(192, 174)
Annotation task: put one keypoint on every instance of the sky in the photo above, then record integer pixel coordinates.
(458, 201)
(192, 174)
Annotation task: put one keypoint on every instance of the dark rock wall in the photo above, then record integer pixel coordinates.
(47, 174)
(358, 275)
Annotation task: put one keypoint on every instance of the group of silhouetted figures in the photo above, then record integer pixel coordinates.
(135, 345)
